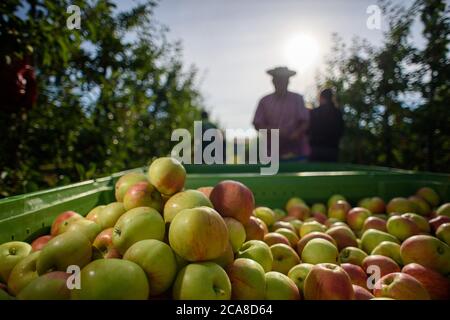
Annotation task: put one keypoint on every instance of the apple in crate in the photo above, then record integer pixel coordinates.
(429, 195)
(236, 233)
(280, 287)
(436, 284)
(272, 238)
(142, 194)
(184, 200)
(125, 182)
(343, 236)
(40, 242)
(11, 253)
(385, 265)
(62, 221)
(361, 293)
(356, 218)
(400, 286)
(356, 273)
(247, 279)
(50, 286)
(284, 258)
(167, 175)
(313, 235)
(103, 247)
(23, 273)
(258, 251)
(255, 229)
(374, 223)
(352, 255)
(299, 273)
(320, 251)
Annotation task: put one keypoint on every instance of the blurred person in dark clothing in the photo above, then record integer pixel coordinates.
(325, 129)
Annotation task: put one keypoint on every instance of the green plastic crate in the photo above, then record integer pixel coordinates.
(27, 216)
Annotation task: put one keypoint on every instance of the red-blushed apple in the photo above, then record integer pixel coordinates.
(125, 182)
(299, 211)
(311, 226)
(361, 293)
(328, 281)
(352, 255)
(374, 223)
(319, 217)
(236, 233)
(400, 205)
(284, 258)
(319, 208)
(356, 218)
(437, 221)
(265, 214)
(385, 264)
(339, 210)
(402, 228)
(112, 279)
(23, 273)
(429, 195)
(423, 208)
(400, 286)
(50, 286)
(137, 224)
(436, 284)
(167, 175)
(62, 221)
(444, 210)
(420, 221)
(356, 273)
(103, 247)
(320, 251)
(233, 199)
(247, 279)
(292, 202)
(202, 281)
(184, 200)
(226, 258)
(108, 216)
(93, 214)
(374, 205)
(280, 287)
(299, 273)
(40, 242)
(258, 251)
(87, 227)
(206, 190)
(313, 235)
(343, 236)
(373, 237)
(290, 235)
(255, 229)
(443, 233)
(297, 224)
(158, 262)
(273, 238)
(190, 239)
(335, 198)
(69, 248)
(11, 253)
(142, 194)
(389, 249)
(279, 213)
(428, 251)
(282, 224)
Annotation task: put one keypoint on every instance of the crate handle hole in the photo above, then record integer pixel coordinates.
(12, 237)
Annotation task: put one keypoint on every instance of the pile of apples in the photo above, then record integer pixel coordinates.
(161, 241)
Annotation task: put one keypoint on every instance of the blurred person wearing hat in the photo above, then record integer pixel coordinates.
(284, 110)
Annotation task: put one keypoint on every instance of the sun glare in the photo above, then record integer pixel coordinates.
(301, 51)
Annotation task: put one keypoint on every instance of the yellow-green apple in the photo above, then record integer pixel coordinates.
(388, 249)
(292, 202)
(385, 264)
(184, 200)
(290, 235)
(352, 255)
(361, 293)
(444, 210)
(167, 175)
(50, 286)
(69, 248)
(206, 190)
(135, 225)
(319, 208)
(437, 221)
(421, 222)
(23, 273)
(427, 251)
(226, 258)
(297, 224)
(335, 198)
(142, 194)
(339, 210)
(436, 284)
(374, 223)
(311, 226)
(299, 211)
(429, 195)
(332, 221)
(313, 235)
(87, 227)
(112, 279)
(236, 233)
(400, 286)
(357, 275)
(280, 287)
(192, 240)
(233, 199)
(343, 236)
(273, 238)
(327, 281)
(62, 221)
(103, 247)
(422, 207)
(320, 251)
(258, 251)
(356, 218)
(40, 242)
(299, 273)
(125, 182)
(283, 224)
(401, 205)
(374, 204)
(108, 216)
(11, 253)
(255, 229)
(157, 260)
(373, 237)
(284, 258)
(202, 281)
(93, 214)
(443, 233)
(402, 228)
(279, 213)
(247, 279)
(265, 214)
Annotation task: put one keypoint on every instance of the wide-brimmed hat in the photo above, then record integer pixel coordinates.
(281, 72)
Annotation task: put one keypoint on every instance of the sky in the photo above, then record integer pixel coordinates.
(233, 43)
